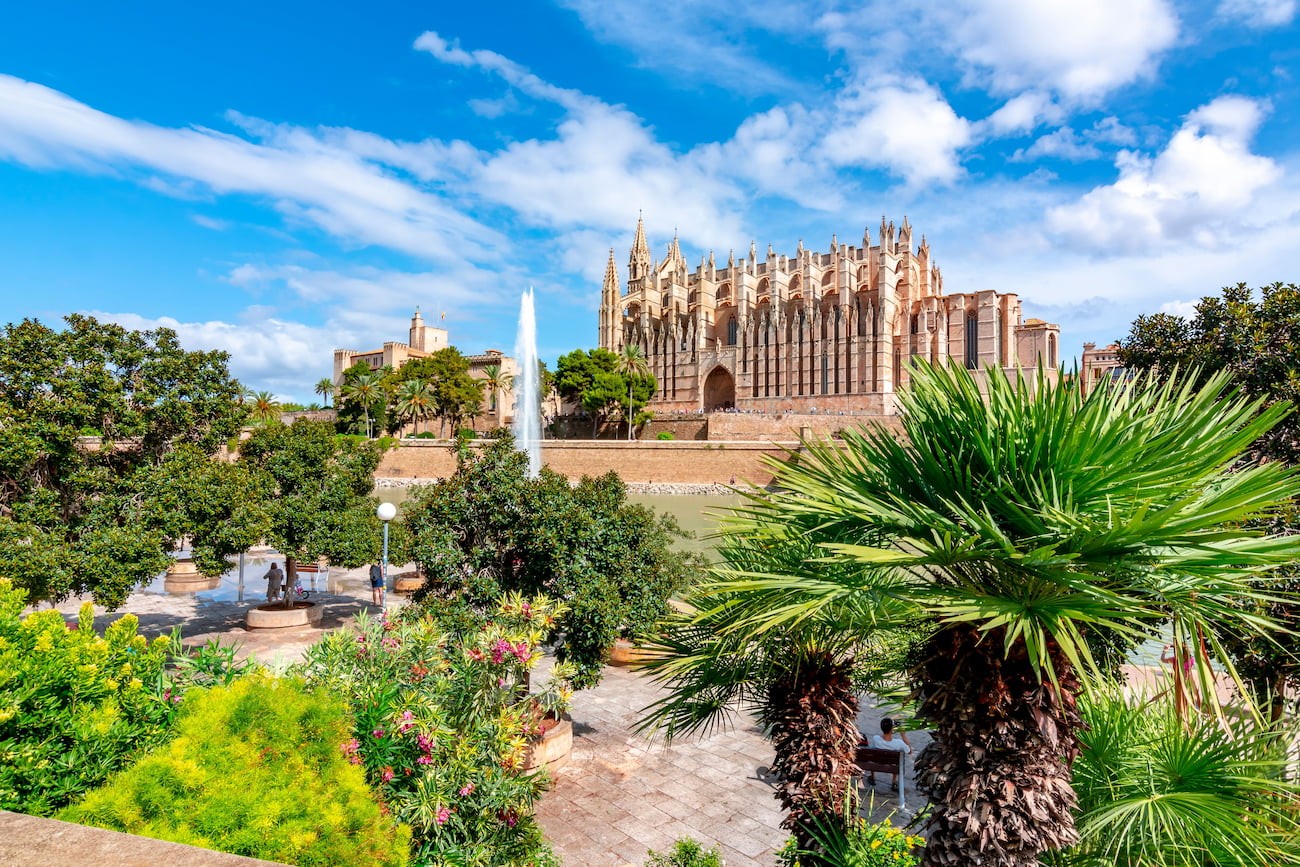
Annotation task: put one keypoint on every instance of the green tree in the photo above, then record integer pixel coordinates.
(87, 416)
(633, 366)
(490, 529)
(414, 401)
(365, 389)
(456, 394)
(1016, 521)
(317, 495)
(1254, 336)
(325, 388)
(263, 407)
(495, 382)
(576, 371)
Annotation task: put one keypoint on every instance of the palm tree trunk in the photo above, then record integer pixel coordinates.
(998, 769)
(813, 713)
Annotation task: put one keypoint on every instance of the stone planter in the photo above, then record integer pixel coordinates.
(273, 615)
(624, 653)
(407, 582)
(184, 577)
(554, 747)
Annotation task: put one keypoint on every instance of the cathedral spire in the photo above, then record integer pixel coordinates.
(611, 273)
(639, 263)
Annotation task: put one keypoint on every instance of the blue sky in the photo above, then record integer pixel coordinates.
(281, 179)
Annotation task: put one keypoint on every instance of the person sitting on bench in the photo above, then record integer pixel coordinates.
(888, 739)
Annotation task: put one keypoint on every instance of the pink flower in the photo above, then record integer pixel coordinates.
(407, 715)
(350, 747)
(424, 760)
(444, 814)
(466, 789)
(377, 733)
(386, 774)
(476, 654)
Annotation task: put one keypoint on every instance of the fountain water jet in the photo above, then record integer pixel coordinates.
(527, 425)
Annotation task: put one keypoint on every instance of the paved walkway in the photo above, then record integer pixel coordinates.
(622, 794)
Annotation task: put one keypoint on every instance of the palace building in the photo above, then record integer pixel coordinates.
(425, 340)
(832, 331)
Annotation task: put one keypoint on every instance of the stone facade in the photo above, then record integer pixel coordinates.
(822, 332)
(498, 409)
(1098, 364)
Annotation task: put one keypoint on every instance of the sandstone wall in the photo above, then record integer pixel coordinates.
(644, 462)
(787, 426)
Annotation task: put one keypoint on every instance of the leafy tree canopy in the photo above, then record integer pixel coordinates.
(490, 528)
(316, 492)
(88, 417)
(1253, 336)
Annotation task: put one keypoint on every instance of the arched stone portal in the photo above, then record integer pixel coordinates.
(719, 390)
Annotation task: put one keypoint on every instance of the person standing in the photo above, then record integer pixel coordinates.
(274, 580)
(888, 739)
(377, 585)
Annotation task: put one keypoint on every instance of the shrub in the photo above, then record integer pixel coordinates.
(1158, 790)
(665, 435)
(861, 844)
(490, 529)
(255, 770)
(74, 706)
(686, 852)
(443, 721)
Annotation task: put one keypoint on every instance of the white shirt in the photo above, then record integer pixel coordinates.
(896, 744)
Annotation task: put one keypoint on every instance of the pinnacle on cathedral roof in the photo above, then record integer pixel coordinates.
(611, 270)
(639, 244)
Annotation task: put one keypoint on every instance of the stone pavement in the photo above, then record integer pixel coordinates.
(622, 793)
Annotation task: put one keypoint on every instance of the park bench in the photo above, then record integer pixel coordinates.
(873, 761)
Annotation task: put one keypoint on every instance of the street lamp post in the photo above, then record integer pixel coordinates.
(386, 513)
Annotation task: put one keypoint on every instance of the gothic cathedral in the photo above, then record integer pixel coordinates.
(816, 332)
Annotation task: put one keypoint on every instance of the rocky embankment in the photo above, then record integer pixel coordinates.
(665, 488)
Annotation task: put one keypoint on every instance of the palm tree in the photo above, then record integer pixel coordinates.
(799, 681)
(366, 390)
(263, 407)
(414, 401)
(325, 388)
(1017, 521)
(495, 381)
(632, 364)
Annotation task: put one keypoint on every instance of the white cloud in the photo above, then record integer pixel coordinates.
(213, 223)
(1080, 49)
(1063, 144)
(1258, 13)
(1205, 179)
(266, 353)
(304, 176)
(509, 71)
(703, 40)
(1021, 114)
(1185, 309)
(902, 125)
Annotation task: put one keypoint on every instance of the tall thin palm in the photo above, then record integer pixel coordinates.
(1016, 521)
(495, 381)
(365, 390)
(632, 364)
(325, 388)
(414, 401)
(263, 407)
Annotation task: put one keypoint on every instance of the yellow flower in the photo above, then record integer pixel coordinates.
(134, 684)
(875, 844)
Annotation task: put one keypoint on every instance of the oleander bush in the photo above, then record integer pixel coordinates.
(75, 706)
(444, 722)
(255, 770)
